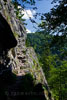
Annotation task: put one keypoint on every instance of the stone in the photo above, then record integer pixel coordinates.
(22, 60)
(7, 39)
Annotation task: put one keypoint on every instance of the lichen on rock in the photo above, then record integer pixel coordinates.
(16, 57)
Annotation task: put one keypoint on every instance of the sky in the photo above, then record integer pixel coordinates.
(43, 6)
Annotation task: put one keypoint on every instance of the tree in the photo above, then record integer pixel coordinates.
(56, 19)
(58, 81)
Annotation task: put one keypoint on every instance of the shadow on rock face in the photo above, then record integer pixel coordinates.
(39, 91)
(19, 88)
(14, 87)
(7, 39)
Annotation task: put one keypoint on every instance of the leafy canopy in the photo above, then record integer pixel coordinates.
(56, 19)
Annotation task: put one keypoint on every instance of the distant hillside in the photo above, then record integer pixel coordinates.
(52, 54)
(40, 40)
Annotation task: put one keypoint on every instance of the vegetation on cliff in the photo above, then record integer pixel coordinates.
(20, 72)
(51, 47)
(53, 59)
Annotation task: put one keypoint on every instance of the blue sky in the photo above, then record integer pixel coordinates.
(43, 7)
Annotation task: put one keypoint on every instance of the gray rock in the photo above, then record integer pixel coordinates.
(19, 59)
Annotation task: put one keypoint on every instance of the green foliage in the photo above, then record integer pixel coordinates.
(38, 41)
(31, 2)
(51, 50)
(18, 11)
(53, 58)
(56, 19)
(58, 81)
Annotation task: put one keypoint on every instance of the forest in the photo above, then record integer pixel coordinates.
(49, 42)
(50, 45)
(53, 59)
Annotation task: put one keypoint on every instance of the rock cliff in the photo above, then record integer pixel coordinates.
(15, 57)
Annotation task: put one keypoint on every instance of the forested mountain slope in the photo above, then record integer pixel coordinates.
(52, 54)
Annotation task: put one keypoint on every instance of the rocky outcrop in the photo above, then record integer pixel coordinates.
(7, 39)
(20, 60)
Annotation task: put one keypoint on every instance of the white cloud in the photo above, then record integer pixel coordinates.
(28, 31)
(28, 13)
(19, 6)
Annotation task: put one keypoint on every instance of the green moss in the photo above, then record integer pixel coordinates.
(16, 35)
(15, 72)
(8, 18)
(13, 52)
(0, 7)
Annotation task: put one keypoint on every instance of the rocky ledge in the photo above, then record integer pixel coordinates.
(19, 67)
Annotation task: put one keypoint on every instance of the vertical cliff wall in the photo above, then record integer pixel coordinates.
(21, 59)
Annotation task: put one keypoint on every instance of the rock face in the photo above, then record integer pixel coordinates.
(20, 60)
(7, 38)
